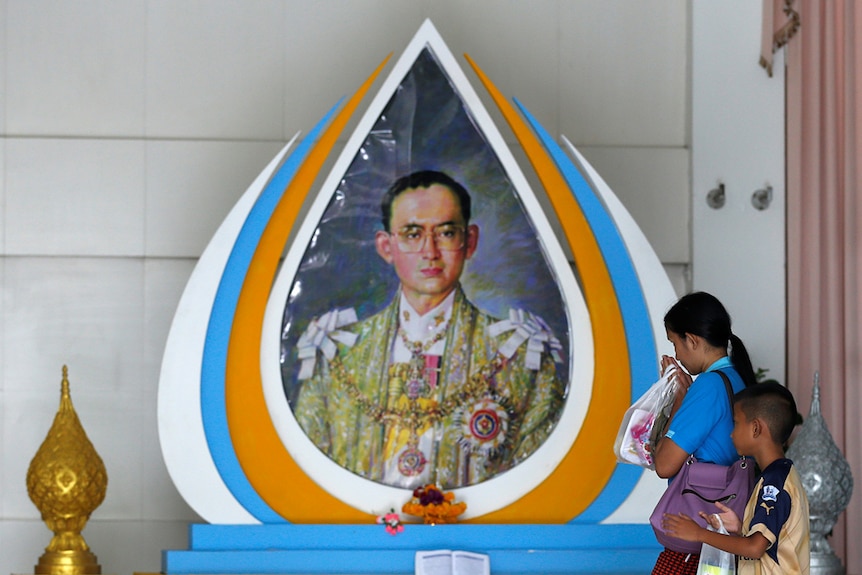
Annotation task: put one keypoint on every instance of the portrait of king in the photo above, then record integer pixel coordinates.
(425, 337)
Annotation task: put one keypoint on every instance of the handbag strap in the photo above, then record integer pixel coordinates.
(729, 389)
(727, 386)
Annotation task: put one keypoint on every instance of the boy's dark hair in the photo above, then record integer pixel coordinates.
(774, 404)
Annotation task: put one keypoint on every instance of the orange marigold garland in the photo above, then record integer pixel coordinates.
(434, 506)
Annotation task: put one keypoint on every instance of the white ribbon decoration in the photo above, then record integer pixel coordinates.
(322, 333)
(532, 329)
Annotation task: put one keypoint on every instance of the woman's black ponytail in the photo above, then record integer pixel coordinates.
(741, 361)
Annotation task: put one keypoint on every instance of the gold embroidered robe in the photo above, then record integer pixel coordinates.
(354, 434)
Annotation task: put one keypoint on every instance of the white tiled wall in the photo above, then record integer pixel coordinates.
(214, 70)
(75, 68)
(623, 74)
(3, 68)
(2, 184)
(128, 128)
(65, 196)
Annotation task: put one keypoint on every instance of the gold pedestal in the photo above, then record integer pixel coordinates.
(67, 563)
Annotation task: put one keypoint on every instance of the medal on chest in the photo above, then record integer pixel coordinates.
(485, 424)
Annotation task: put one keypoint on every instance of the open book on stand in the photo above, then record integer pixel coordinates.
(446, 562)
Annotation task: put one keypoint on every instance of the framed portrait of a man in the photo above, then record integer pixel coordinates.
(425, 336)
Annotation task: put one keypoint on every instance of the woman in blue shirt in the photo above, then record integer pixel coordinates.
(701, 419)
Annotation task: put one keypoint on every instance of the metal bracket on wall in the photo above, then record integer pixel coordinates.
(715, 198)
(761, 198)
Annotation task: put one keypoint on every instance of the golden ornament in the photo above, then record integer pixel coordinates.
(67, 482)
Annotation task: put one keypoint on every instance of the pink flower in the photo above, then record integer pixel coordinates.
(392, 522)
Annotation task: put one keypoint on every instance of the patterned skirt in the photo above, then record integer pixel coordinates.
(676, 563)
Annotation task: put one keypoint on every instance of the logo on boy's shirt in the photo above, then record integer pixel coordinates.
(770, 493)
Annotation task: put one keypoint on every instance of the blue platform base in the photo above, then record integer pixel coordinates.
(369, 549)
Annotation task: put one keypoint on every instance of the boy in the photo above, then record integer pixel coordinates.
(773, 537)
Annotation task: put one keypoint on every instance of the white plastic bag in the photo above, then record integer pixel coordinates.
(714, 561)
(644, 420)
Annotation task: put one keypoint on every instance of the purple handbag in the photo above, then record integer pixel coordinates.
(697, 487)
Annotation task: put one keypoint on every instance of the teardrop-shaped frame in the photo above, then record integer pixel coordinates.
(503, 489)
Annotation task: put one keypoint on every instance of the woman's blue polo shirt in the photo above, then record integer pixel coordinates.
(703, 423)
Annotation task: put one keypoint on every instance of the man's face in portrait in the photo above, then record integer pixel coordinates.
(428, 244)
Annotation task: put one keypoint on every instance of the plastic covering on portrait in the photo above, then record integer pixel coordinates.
(424, 126)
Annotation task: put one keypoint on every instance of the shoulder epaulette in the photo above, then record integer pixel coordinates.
(532, 329)
(322, 334)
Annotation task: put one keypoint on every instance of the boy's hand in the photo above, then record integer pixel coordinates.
(681, 526)
(728, 517)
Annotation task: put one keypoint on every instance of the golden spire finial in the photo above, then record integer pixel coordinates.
(67, 481)
(65, 394)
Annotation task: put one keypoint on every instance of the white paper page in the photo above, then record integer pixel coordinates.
(466, 563)
(434, 562)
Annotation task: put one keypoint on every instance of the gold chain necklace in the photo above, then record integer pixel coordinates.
(412, 460)
(417, 347)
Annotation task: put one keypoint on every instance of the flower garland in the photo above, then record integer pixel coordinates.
(434, 506)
